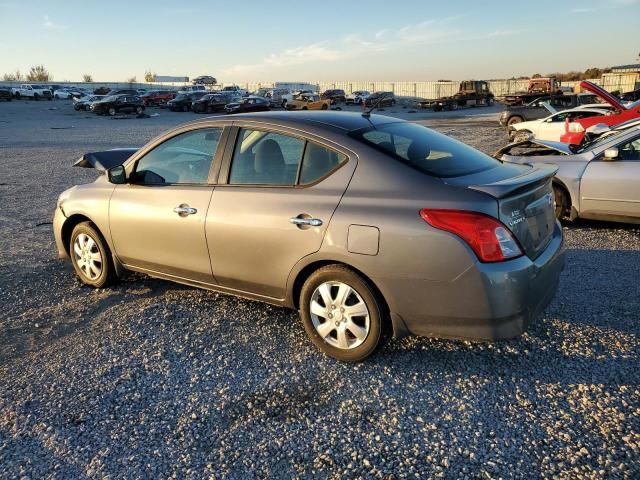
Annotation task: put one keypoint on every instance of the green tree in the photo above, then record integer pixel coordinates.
(38, 73)
(536, 75)
(87, 78)
(149, 76)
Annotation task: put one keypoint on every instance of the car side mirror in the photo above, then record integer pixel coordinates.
(117, 175)
(611, 154)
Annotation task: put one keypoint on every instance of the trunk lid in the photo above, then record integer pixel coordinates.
(525, 203)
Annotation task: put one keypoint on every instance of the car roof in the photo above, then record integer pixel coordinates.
(346, 121)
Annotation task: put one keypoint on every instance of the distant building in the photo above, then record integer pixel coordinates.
(622, 78)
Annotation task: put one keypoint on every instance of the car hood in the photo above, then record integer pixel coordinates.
(103, 161)
(603, 94)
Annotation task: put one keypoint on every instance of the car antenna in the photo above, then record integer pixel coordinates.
(367, 113)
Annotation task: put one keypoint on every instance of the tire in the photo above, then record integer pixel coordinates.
(91, 256)
(520, 135)
(112, 111)
(514, 119)
(562, 203)
(340, 341)
(139, 110)
(324, 106)
(284, 104)
(490, 101)
(304, 108)
(36, 97)
(17, 95)
(185, 108)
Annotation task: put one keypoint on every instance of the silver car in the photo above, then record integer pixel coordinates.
(599, 180)
(365, 224)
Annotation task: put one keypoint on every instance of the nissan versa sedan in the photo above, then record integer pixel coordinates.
(366, 224)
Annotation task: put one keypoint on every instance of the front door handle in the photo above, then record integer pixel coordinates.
(302, 221)
(184, 210)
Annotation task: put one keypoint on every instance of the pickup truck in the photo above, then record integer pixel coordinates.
(536, 109)
(31, 91)
(537, 88)
(471, 93)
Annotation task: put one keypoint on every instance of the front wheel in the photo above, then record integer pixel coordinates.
(139, 110)
(112, 111)
(341, 313)
(90, 256)
(35, 97)
(561, 202)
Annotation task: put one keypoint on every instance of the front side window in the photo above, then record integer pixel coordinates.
(630, 150)
(428, 151)
(269, 158)
(183, 159)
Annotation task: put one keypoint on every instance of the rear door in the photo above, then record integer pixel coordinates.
(612, 187)
(274, 200)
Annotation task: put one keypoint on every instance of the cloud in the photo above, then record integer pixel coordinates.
(607, 5)
(50, 25)
(354, 45)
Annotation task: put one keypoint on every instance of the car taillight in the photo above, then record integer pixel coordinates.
(575, 127)
(488, 238)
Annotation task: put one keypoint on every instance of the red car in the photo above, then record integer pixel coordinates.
(158, 97)
(575, 131)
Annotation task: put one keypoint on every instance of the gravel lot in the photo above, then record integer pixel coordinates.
(150, 379)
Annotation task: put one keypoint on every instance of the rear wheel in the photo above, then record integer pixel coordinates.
(514, 119)
(112, 111)
(90, 256)
(35, 97)
(324, 106)
(561, 202)
(139, 110)
(341, 313)
(185, 108)
(305, 108)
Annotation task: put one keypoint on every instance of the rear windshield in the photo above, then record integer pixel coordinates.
(428, 151)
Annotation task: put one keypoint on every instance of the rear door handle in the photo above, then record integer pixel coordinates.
(184, 210)
(311, 222)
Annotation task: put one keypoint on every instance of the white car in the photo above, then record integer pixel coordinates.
(552, 127)
(31, 91)
(357, 97)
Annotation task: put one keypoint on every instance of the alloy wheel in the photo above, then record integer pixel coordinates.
(87, 256)
(339, 315)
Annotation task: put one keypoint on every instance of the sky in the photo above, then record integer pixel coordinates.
(249, 41)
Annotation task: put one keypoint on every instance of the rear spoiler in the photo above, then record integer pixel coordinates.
(103, 161)
(538, 175)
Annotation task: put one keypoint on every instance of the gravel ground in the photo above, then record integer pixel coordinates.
(150, 379)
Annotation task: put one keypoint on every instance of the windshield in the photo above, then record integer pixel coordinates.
(428, 151)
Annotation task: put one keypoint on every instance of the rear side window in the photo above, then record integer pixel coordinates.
(269, 158)
(428, 151)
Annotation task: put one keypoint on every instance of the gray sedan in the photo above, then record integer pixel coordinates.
(599, 181)
(366, 224)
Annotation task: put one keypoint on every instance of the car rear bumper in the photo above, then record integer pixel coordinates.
(490, 301)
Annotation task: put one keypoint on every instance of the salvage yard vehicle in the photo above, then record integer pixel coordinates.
(204, 80)
(248, 104)
(380, 99)
(553, 126)
(598, 180)
(277, 97)
(357, 97)
(85, 103)
(308, 101)
(213, 102)
(234, 90)
(576, 129)
(114, 104)
(158, 97)
(183, 101)
(335, 95)
(291, 209)
(536, 110)
(471, 93)
(35, 92)
(5, 94)
(537, 88)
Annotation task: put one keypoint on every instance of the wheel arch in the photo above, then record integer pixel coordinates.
(391, 324)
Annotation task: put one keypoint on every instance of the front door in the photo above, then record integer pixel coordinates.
(273, 210)
(157, 220)
(612, 187)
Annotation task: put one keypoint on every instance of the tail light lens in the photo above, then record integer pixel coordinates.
(575, 127)
(488, 238)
